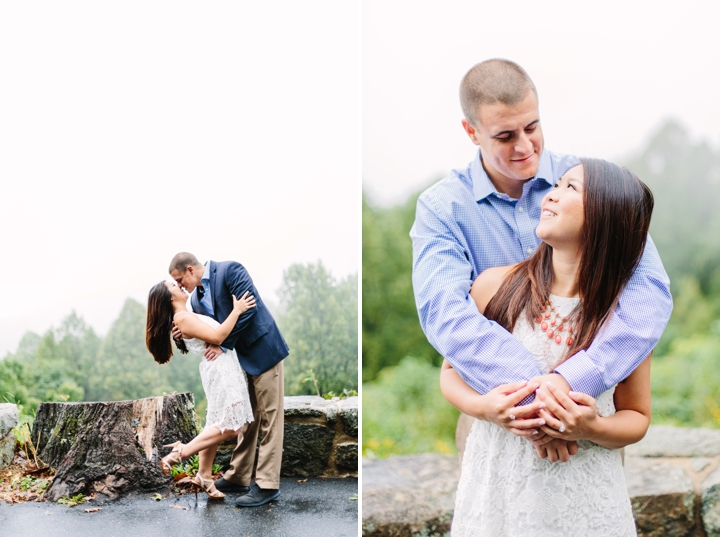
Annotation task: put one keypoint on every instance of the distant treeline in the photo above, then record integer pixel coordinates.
(684, 176)
(72, 363)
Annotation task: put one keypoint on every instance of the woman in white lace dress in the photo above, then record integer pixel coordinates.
(224, 381)
(593, 225)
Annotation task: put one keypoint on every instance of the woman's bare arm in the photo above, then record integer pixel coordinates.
(191, 326)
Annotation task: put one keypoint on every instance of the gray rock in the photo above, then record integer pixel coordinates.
(666, 441)
(710, 509)
(7, 449)
(699, 463)
(349, 416)
(662, 497)
(346, 456)
(8, 418)
(306, 406)
(409, 495)
(306, 449)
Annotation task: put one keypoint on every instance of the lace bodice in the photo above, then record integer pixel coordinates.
(549, 354)
(507, 490)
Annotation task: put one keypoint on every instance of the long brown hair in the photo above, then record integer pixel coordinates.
(158, 328)
(617, 209)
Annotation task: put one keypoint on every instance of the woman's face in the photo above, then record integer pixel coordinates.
(563, 213)
(176, 292)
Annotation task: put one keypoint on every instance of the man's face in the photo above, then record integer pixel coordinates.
(187, 280)
(510, 139)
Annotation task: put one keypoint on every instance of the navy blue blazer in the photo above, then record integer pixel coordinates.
(256, 337)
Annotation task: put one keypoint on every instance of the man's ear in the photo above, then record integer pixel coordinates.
(471, 132)
(191, 270)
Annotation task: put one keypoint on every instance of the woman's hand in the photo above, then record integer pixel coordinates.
(498, 407)
(568, 417)
(245, 303)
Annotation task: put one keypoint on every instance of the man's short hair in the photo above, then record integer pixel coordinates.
(182, 261)
(493, 81)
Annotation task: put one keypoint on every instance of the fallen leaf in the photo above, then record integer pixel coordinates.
(302, 480)
(178, 506)
(157, 497)
(93, 510)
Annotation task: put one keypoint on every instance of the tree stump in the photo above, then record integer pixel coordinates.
(111, 448)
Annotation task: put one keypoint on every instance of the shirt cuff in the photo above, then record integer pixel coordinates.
(223, 348)
(582, 374)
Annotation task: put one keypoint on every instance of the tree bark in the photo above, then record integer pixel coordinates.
(111, 448)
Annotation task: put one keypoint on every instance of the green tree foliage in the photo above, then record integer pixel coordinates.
(405, 412)
(390, 325)
(319, 322)
(71, 363)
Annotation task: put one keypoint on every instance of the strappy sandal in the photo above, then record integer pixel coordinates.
(206, 486)
(172, 458)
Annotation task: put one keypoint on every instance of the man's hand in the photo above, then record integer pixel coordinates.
(212, 351)
(557, 450)
(176, 333)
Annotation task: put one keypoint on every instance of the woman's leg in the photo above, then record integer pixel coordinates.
(209, 437)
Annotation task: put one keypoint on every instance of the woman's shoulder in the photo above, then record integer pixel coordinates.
(487, 283)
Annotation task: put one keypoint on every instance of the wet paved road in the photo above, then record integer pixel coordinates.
(317, 507)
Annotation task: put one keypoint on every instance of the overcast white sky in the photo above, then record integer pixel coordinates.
(132, 130)
(608, 74)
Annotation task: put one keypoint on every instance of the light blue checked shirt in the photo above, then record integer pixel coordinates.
(464, 226)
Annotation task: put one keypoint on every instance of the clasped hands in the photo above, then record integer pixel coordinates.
(542, 421)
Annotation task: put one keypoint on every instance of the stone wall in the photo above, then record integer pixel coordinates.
(673, 478)
(321, 438)
(8, 420)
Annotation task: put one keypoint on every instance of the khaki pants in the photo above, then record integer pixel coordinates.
(462, 431)
(267, 393)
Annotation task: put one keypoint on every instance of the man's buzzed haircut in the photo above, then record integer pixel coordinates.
(182, 261)
(493, 81)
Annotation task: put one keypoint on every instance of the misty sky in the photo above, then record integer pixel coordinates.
(608, 75)
(134, 130)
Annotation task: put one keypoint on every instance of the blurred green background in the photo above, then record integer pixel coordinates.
(403, 409)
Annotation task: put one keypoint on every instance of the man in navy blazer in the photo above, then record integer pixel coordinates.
(260, 349)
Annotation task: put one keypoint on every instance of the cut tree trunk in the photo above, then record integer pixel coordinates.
(111, 448)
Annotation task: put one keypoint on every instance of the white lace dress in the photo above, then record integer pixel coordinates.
(507, 490)
(225, 385)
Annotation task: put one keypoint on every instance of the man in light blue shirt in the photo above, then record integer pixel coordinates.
(484, 216)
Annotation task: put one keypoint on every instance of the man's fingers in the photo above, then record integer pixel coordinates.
(573, 447)
(562, 451)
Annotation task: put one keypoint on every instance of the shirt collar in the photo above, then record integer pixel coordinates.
(205, 280)
(483, 187)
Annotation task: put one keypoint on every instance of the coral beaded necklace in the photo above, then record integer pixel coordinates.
(552, 323)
